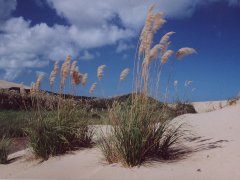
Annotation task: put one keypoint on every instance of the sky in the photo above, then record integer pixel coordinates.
(36, 33)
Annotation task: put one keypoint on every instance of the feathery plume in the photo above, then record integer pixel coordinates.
(76, 77)
(65, 71)
(32, 88)
(166, 56)
(165, 38)
(53, 74)
(93, 87)
(38, 82)
(147, 33)
(100, 71)
(184, 52)
(52, 78)
(22, 89)
(158, 21)
(84, 79)
(55, 68)
(154, 51)
(73, 67)
(124, 73)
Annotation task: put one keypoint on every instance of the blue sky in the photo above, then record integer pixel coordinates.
(35, 33)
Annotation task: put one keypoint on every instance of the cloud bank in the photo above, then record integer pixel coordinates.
(92, 24)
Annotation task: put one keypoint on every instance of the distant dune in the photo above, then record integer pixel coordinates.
(215, 154)
(8, 85)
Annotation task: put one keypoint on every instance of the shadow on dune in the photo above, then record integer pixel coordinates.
(196, 144)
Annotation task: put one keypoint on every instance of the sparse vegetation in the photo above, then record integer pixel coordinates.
(139, 128)
(233, 101)
(4, 149)
(138, 132)
(60, 131)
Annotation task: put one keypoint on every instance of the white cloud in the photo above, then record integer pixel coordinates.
(6, 8)
(123, 46)
(87, 55)
(23, 46)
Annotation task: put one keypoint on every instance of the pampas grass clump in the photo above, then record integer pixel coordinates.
(4, 149)
(140, 129)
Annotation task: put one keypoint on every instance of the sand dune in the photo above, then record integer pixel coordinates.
(7, 85)
(216, 155)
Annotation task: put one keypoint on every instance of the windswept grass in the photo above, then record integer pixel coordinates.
(60, 131)
(4, 149)
(140, 129)
(137, 133)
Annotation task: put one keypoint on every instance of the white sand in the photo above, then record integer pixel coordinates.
(218, 156)
(7, 85)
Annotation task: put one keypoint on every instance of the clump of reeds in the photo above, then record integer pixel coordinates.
(137, 133)
(140, 129)
(60, 131)
(66, 126)
(4, 149)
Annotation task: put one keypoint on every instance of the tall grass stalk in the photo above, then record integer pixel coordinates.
(142, 128)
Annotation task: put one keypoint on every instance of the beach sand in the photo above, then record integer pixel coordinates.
(215, 155)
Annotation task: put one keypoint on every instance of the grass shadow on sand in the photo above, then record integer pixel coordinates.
(180, 153)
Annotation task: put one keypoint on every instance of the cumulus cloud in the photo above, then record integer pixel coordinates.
(6, 8)
(123, 46)
(87, 55)
(91, 25)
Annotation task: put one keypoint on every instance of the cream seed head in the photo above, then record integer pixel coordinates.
(100, 71)
(93, 87)
(166, 56)
(84, 79)
(124, 74)
(184, 52)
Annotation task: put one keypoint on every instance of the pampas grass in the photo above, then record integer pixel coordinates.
(38, 82)
(4, 149)
(166, 56)
(53, 74)
(84, 79)
(73, 67)
(165, 38)
(184, 52)
(100, 71)
(158, 21)
(64, 72)
(124, 73)
(22, 89)
(92, 88)
(33, 88)
(76, 76)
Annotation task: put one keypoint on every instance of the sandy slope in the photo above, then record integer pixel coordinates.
(216, 156)
(7, 85)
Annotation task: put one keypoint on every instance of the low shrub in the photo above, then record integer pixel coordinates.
(138, 133)
(184, 108)
(4, 149)
(60, 131)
